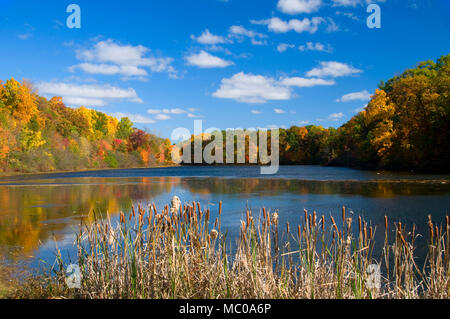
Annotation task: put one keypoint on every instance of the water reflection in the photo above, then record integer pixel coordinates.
(35, 212)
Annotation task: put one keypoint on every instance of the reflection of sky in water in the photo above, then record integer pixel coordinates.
(34, 212)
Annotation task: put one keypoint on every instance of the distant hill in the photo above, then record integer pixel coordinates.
(40, 135)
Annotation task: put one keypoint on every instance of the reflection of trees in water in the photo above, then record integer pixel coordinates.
(25, 211)
(278, 186)
(32, 214)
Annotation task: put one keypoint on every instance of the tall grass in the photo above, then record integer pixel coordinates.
(184, 254)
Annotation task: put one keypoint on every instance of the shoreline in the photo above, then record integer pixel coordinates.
(19, 174)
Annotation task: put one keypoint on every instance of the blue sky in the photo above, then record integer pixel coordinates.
(235, 63)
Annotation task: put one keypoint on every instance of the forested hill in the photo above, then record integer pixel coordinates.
(405, 126)
(40, 135)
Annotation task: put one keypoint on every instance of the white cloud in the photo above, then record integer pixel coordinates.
(206, 60)
(336, 116)
(208, 38)
(162, 117)
(354, 3)
(175, 111)
(239, 32)
(282, 47)
(332, 69)
(279, 111)
(135, 118)
(24, 36)
(306, 82)
(356, 96)
(255, 112)
(303, 122)
(279, 26)
(311, 46)
(88, 95)
(299, 6)
(110, 58)
(79, 101)
(251, 88)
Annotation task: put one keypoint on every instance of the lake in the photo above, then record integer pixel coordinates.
(38, 212)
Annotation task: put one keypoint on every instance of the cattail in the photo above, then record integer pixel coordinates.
(365, 232)
(214, 233)
(334, 224)
(371, 232)
(220, 208)
(314, 219)
(287, 228)
(299, 230)
(359, 224)
(275, 219)
(349, 223)
(306, 216)
(207, 215)
(122, 217)
(264, 213)
(248, 217)
(323, 223)
(385, 222)
(343, 213)
(132, 210)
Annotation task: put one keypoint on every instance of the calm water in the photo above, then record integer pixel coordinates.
(38, 210)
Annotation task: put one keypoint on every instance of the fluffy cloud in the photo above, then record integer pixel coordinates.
(280, 26)
(299, 6)
(356, 96)
(135, 118)
(284, 46)
(249, 88)
(332, 69)
(255, 112)
(162, 117)
(279, 111)
(206, 60)
(208, 38)
(175, 111)
(354, 3)
(311, 46)
(305, 82)
(110, 58)
(239, 32)
(336, 116)
(88, 95)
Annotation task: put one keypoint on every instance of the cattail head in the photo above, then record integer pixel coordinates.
(275, 219)
(385, 222)
(323, 223)
(214, 233)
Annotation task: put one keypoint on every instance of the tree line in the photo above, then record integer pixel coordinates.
(405, 126)
(40, 135)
